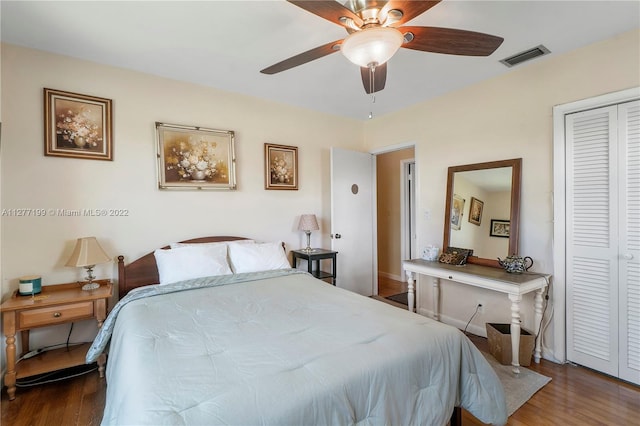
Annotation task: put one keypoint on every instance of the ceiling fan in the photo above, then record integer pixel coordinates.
(376, 33)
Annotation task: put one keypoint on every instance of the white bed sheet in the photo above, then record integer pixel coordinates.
(288, 350)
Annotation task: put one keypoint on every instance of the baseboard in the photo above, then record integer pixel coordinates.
(472, 328)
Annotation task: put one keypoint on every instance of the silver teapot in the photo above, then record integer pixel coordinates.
(516, 264)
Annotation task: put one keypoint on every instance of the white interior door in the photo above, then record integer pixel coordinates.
(592, 239)
(352, 219)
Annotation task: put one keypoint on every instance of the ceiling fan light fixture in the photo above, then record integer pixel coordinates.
(372, 45)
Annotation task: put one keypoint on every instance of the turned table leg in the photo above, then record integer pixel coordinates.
(9, 320)
(538, 321)
(411, 295)
(515, 332)
(436, 298)
(100, 307)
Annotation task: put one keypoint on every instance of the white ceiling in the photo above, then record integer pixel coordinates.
(492, 180)
(224, 44)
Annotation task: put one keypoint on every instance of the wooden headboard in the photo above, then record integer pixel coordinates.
(144, 270)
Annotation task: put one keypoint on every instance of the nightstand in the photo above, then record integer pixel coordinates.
(56, 304)
(317, 255)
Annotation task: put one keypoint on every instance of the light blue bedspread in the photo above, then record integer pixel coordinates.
(283, 348)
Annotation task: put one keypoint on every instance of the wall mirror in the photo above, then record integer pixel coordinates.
(482, 210)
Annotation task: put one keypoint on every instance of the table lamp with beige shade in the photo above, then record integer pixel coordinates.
(308, 223)
(87, 254)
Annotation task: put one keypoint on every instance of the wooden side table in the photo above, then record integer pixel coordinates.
(317, 255)
(56, 304)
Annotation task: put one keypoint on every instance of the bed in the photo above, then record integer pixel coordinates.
(277, 346)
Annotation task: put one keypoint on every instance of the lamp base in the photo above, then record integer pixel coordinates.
(90, 286)
(308, 250)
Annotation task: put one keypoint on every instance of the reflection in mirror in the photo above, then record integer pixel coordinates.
(482, 209)
(487, 196)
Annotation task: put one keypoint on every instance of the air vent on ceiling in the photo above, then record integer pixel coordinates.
(518, 58)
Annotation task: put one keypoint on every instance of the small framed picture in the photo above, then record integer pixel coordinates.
(457, 209)
(77, 126)
(195, 157)
(280, 167)
(475, 211)
(499, 228)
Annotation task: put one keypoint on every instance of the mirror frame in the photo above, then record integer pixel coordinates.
(516, 168)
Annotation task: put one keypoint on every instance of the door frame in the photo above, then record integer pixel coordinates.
(407, 210)
(376, 152)
(559, 210)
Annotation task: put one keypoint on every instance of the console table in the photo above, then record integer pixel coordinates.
(514, 285)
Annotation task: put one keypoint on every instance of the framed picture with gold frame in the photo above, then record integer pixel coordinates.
(192, 157)
(280, 167)
(77, 126)
(475, 211)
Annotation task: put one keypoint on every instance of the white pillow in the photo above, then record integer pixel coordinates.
(176, 245)
(257, 257)
(189, 262)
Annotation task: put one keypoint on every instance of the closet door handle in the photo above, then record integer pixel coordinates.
(627, 256)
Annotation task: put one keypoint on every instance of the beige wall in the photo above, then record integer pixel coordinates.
(508, 117)
(388, 169)
(41, 245)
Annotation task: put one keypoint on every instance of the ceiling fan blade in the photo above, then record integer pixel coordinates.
(304, 57)
(410, 9)
(451, 41)
(379, 78)
(330, 10)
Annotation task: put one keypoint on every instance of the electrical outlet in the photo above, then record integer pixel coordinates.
(480, 306)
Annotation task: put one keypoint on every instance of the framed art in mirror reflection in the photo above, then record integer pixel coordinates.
(499, 228)
(475, 211)
(457, 210)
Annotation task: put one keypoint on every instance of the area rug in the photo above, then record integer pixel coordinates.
(401, 298)
(517, 387)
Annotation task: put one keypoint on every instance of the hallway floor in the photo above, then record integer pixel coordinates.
(388, 286)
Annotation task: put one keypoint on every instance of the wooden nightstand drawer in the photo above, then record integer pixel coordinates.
(55, 314)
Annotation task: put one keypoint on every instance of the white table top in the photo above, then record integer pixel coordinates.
(479, 275)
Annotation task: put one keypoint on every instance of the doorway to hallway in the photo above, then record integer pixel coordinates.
(395, 195)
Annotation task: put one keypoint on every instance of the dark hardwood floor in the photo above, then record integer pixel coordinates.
(389, 287)
(575, 396)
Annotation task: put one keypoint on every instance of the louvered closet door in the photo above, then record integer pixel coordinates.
(603, 239)
(629, 157)
(592, 239)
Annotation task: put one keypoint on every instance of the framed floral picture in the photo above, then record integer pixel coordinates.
(475, 211)
(195, 157)
(280, 167)
(77, 126)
